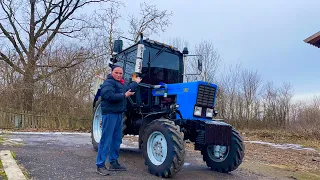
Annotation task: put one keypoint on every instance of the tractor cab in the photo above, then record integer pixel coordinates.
(161, 63)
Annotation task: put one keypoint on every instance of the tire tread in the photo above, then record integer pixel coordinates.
(178, 152)
(237, 157)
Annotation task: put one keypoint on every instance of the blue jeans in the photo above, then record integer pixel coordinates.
(111, 139)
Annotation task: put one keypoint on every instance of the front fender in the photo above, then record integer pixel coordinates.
(96, 97)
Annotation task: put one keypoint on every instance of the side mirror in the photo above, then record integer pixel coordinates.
(185, 50)
(117, 46)
(200, 64)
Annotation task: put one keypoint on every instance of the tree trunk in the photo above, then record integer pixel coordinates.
(28, 88)
(28, 91)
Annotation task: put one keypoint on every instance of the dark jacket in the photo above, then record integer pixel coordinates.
(113, 99)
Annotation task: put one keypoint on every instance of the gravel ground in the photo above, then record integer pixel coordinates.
(70, 156)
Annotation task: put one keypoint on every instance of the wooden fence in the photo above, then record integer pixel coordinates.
(14, 119)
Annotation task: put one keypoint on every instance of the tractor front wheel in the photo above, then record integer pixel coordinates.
(224, 158)
(163, 148)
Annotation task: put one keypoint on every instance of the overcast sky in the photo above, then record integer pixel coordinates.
(263, 35)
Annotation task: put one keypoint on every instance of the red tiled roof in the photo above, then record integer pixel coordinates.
(314, 40)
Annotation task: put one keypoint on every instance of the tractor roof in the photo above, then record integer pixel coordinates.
(159, 44)
(153, 43)
(314, 40)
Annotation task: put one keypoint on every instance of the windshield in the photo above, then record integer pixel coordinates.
(163, 68)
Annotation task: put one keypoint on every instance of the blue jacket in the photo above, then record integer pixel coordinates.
(113, 99)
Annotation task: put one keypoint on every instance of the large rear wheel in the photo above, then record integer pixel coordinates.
(225, 158)
(163, 148)
(96, 130)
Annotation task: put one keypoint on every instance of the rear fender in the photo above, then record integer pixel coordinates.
(150, 117)
(96, 97)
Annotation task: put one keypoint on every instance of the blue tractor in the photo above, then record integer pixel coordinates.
(166, 111)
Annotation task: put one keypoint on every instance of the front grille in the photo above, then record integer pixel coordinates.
(217, 134)
(205, 95)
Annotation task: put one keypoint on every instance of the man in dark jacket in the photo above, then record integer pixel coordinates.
(113, 103)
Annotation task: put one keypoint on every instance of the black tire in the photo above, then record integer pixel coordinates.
(233, 159)
(124, 124)
(95, 144)
(175, 148)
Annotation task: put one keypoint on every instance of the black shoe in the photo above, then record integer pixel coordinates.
(115, 166)
(103, 171)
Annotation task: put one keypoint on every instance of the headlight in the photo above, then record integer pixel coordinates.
(209, 112)
(197, 111)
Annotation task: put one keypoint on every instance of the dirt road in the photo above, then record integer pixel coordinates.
(70, 156)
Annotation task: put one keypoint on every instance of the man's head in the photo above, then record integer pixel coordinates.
(117, 73)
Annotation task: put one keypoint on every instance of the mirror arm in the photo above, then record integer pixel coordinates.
(192, 74)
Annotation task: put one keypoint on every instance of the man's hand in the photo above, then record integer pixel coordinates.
(137, 79)
(129, 93)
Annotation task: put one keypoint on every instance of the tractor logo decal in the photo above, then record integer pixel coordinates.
(185, 89)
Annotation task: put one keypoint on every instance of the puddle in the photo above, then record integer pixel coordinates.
(283, 146)
(12, 142)
(128, 146)
(51, 133)
(186, 164)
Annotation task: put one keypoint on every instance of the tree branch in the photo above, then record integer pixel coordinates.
(69, 64)
(7, 60)
(11, 15)
(13, 42)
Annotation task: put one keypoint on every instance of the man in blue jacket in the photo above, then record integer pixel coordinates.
(113, 103)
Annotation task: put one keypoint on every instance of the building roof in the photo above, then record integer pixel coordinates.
(314, 40)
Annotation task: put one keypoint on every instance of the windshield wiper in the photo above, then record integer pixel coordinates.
(158, 54)
(154, 58)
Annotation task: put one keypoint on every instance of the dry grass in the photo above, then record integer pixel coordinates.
(1, 140)
(282, 136)
(2, 173)
(296, 164)
(276, 162)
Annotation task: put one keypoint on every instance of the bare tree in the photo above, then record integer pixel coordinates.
(229, 83)
(210, 61)
(107, 22)
(285, 96)
(177, 43)
(28, 27)
(152, 21)
(250, 81)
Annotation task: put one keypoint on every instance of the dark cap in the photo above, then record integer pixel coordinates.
(115, 66)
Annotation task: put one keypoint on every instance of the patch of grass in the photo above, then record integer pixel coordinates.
(24, 170)
(13, 155)
(280, 171)
(277, 136)
(297, 174)
(1, 140)
(17, 145)
(2, 173)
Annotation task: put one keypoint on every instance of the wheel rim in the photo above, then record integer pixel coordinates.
(97, 124)
(218, 153)
(157, 148)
